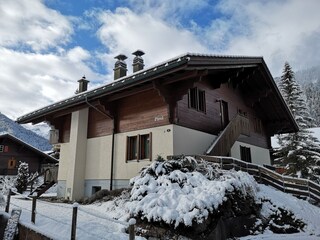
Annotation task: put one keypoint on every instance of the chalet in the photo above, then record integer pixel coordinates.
(192, 104)
(13, 150)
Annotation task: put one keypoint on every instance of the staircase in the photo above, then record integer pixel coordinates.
(222, 144)
(42, 189)
(50, 178)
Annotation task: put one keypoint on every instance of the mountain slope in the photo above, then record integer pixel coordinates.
(9, 126)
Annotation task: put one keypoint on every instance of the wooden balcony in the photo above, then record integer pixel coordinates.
(222, 144)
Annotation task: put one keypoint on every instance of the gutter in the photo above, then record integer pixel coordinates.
(112, 144)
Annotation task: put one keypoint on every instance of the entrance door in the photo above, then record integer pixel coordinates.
(224, 113)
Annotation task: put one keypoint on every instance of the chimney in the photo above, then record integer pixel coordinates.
(138, 61)
(120, 67)
(83, 84)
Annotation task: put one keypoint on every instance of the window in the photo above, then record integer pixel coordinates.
(95, 189)
(197, 99)
(132, 148)
(4, 148)
(145, 146)
(12, 163)
(139, 147)
(245, 154)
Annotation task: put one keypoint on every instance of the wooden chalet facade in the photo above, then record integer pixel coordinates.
(192, 104)
(13, 150)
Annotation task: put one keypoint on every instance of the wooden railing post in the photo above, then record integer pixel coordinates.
(8, 201)
(33, 211)
(74, 220)
(132, 234)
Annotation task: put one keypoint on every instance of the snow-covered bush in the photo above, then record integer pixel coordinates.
(2, 201)
(6, 183)
(22, 177)
(185, 192)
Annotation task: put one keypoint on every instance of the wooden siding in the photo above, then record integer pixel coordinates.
(18, 153)
(99, 124)
(144, 110)
(210, 121)
(63, 124)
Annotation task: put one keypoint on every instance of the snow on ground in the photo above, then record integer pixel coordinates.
(54, 221)
(98, 220)
(303, 210)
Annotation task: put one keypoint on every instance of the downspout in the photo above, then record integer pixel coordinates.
(112, 143)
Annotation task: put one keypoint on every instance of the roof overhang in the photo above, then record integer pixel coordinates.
(250, 74)
(37, 151)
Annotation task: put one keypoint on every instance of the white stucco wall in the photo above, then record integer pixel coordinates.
(63, 161)
(188, 141)
(162, 144)
(258, 155)
(98, 159)
(78, 149)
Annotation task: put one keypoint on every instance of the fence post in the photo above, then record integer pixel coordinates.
(33, 211)
(260, 174)
(74, 220)
(8, 201)
(132, 222)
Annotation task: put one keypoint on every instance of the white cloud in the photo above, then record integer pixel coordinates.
(29, 23)
(125, 31)
(31, 80)
(171, 11)
(278, 30)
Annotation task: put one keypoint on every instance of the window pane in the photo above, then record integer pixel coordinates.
(202, 101)
(193, 98)
(145, 146)
(132, 148)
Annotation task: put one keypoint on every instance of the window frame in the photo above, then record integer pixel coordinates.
(1, 148)
(141, 153)
(132, 151)
(245, 154)
(197, 99)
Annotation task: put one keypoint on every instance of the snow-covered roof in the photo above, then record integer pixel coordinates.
(15, 139)
(188, 61)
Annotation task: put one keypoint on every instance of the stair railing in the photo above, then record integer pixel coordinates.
(296, 186)
(223, 143)
(49, 174)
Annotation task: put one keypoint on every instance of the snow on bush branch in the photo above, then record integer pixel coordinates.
(185, 191)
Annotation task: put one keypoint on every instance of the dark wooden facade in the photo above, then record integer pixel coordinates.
(15, 151)
(159, 96)
(148, 109)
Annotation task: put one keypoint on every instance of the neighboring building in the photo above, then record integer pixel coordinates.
(177, 107)
(13, 150)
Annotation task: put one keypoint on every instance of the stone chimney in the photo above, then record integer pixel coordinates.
(83, 84)
(120, 67)
(138, 61)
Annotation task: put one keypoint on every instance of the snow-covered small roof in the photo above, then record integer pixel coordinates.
(37, 151)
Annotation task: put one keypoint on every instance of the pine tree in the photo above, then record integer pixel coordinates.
(22, 177)
(312, 91)
(299, 152)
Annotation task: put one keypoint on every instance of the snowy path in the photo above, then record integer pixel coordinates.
(54, 220)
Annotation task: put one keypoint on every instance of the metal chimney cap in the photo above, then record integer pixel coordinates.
(83, 79)
(121, 57)
(138, 53)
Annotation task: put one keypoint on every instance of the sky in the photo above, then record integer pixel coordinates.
(47, 45)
